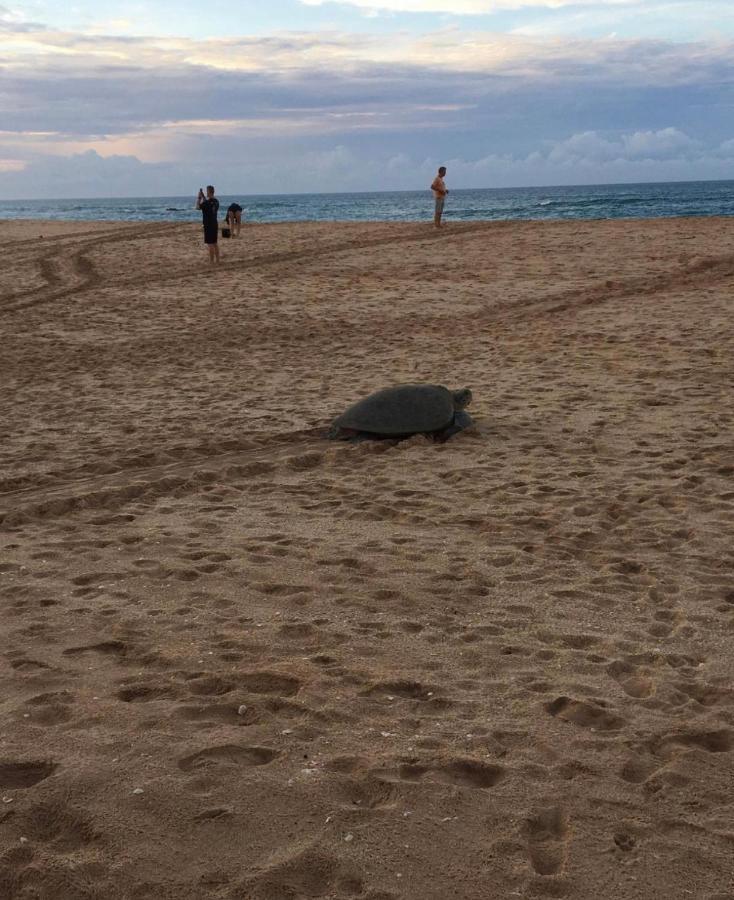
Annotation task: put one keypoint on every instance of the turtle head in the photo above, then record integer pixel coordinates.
(462, 398)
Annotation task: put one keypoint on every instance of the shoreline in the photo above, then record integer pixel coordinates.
(426, 219)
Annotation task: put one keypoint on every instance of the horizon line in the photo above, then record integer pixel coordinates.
(539, 187)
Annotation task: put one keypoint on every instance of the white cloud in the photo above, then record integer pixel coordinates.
(591, 147)
(664, 143)
(10, 17)
(584, 158)
(591, 158)
(46, 54)
(464, 7)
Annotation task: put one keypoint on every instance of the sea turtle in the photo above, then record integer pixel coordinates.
(406, 409)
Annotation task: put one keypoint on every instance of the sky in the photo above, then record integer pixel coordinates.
(135, 99)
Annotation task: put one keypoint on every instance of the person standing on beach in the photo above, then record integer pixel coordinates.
(439, 192)
(209, 206)
(234, 218)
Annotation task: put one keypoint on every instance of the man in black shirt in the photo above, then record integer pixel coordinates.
(209, 206)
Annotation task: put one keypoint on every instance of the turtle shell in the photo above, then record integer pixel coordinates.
(404, 409)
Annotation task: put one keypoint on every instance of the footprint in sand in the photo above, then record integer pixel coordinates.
(625, 841)
(459, 771)
(270, 683)
(50, 708)
(210, 715)
(66, 827)
(667, 622)
(703, 694)
(104, 647)
(367, 793)
(585, 715)
(469, 773)
(298, 631)
(641, 768)
(407, 690)
(303, 872)
(98, 579)
(213, 814)
(721, 741)
(23, 664)
(146, 692)
(547, 835)
(227, 754)
(20, 774)
(635, 682)
(48, 862)
(209, 685)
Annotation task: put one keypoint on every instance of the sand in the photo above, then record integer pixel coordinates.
(243, 662)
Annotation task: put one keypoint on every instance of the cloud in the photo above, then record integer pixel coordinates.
(86, 174)
(49, 53)
(94, 113)
(97, 88)
(12, 165)
(592, 158)
(465, 7)
(591, 147)
(584, 158)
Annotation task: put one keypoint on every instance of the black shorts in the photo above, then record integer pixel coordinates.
(211, 233)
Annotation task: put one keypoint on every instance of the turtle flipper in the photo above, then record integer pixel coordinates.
(461, 421)
(338, 433)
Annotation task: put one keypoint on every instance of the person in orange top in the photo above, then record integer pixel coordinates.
(439, 192)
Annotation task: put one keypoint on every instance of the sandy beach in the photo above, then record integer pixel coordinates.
(242, 662)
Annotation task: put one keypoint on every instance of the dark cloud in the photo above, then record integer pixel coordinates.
(118, 99)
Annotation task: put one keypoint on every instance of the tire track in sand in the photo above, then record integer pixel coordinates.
(704, 273)
(309, 253)
(84, 274)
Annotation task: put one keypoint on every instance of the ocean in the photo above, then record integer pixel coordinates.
(607, 201)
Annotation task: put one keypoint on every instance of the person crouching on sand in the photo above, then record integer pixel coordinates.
(234, 218)
(439, 192)
(209, 206)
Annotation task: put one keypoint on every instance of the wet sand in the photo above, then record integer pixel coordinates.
(241, 662)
